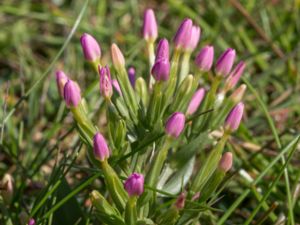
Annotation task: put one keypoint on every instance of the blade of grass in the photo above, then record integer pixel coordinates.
(278, 142)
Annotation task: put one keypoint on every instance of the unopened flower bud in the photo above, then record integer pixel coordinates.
(131, 75)
(175, 124)
(161, 70)
(162, 50)
(205, 58)
(149, 26)
(7, 188)
(183, 34)
(117, 87)
(233, 119)
(225, 62)
(195, 101)
(72, 94)
(105, 82)
(117, 57)
(134, 185)
(90, 47)
(225, 163)
(180, 202)
(31, 221)
(101, 150)
(61, 80)
(195, 37)
(235, 76)
(238, 94)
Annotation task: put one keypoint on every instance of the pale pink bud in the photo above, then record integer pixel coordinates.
(72, 94)
(61, 80)
(161, 70)
(90, 47)
(117, 57)
(105, 82)
(183, 34)
(149, 26)
(175, 124)
(234, 118)
(195, 101)
(134, 185)
(225, 62)
(31, 222)
(8, 188)
(238, 94)
(162, 50)
(195, 37)
(117, 87)
(235, 76)
(101, 150)
(205, 58)
(225, 163)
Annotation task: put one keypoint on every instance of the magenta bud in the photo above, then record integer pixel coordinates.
(131, 75)
(61, 80)
(233, 119)
(183, 34)
(105, 82)
(134, 185)
(116, 86)
(225, 62)
(72, 94)
(195, 37)
(149, 26)
(31, 221)
(205, 58)
(225, 163)
(196, 101)
(175, 124)
(180, 202)
(101, 150)
(162, 50)
(90, 47)
(235, 76)
(161, 70)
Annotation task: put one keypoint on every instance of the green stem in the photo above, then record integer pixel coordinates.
(151, 56)
(130, 211)
(185, 66)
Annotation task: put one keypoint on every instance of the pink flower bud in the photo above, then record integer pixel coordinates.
(180, 202)
(162, 50)
(238, 94)
(225, 163)
(31, 222)
(90, 47)
(134, 185)
(225, 62)
(72, 94)
(101, 150)
(61, 80)
(196, 101)
(105, 82)
(131, 75)
(183, 34)
(8, 188)
(117, 57)
(149, 26)
(235, 76)
(161, 70)
(205, 58)
(233, 119)
(195, 37)
(117, 87)
(175, 124)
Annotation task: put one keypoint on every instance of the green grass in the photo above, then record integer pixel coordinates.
(40, 148)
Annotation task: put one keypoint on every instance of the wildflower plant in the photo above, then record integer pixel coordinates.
(157, 125)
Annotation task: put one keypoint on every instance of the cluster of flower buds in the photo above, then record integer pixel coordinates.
(167, 115)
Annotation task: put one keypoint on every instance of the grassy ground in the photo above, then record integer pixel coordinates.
(40, 148)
